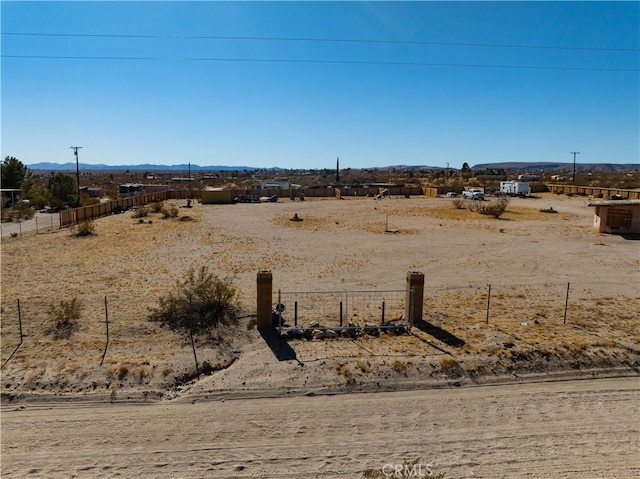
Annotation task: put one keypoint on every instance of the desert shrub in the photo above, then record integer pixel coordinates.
(473, 206)
(202, 300)
(65, 317)
(20, 211)
(123, 370)
(141, 212)
(23, 211)
(458, 203)
(157, 206)
(450, 366)
(170, 212)
(85, 228)
(496, 208)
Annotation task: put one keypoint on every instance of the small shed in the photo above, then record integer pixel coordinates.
(617, 216)
(217, 196)
(94, 191)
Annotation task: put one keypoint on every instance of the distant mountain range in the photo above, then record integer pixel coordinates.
(547, 166)
(527, 166)
(145, 167)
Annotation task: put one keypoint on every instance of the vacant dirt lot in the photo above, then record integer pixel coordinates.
(568, 429)
(527, 256)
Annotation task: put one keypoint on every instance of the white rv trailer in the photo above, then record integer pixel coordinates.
(514, 188)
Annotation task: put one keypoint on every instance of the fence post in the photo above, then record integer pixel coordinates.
(488, 304)
(413, 303)
(382, 322)
(566, 304)
(193, 343)
(20, 321)
(106, 322)
(264, 298)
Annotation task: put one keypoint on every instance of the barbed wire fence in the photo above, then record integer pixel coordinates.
(108, 327)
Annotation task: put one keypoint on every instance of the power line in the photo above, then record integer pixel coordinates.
(335, 62)
(325, 40)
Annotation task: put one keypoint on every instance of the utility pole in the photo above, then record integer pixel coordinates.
(338, 170)
(190, 193)
(447, 173)
(574, 153)
(75, 152)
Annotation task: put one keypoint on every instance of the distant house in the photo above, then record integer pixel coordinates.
(94, 191)
(275, 184)
(528, 177)
(617, 216)
(130, 188)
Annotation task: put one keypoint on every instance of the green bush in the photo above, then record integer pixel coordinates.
(202, 300)
(65, 317)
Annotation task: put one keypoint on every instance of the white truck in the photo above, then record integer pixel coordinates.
(473, 194)
(514, 188)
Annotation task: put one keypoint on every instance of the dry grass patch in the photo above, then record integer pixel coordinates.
(310, 223)
(513, 213)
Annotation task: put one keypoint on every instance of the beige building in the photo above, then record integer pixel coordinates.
(217, 196)
(617, 216)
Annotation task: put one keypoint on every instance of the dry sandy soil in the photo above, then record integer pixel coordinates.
(573, 429)
(527, 256)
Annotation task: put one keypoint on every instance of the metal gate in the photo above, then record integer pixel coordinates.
(343, 309)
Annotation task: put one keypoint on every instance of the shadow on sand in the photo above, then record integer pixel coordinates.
(631, 236)
(280, 347)
(439, 333)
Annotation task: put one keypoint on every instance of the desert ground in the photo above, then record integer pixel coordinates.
(568, 429)
(497, 370)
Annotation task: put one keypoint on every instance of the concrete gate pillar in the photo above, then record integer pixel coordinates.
(413, 306)
(264, 299)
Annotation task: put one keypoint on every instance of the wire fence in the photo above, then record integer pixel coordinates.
(341, 309)
(39, 224)
(114, 330)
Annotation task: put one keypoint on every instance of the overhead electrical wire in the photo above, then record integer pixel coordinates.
(326, 40)
(305, 39)
(339, 62)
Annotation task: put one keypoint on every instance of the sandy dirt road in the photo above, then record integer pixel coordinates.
(572, 429)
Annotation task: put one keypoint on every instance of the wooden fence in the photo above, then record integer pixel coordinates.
(594, 191)
(76, 215)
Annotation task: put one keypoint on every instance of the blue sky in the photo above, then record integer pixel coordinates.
(297, 84)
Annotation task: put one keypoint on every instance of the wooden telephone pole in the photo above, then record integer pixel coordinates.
(75, 152)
